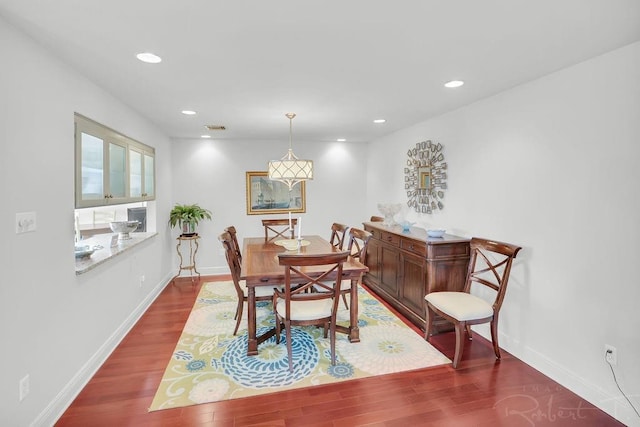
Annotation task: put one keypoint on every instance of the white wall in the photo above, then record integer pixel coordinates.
(551, 165)
(56, 326)
(212, 174)
(547, 165)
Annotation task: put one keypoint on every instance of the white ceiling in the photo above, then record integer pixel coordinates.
(337, 64)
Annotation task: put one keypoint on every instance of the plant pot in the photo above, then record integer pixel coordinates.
(188, 229)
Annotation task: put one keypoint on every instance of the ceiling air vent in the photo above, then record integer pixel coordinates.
(215, 127)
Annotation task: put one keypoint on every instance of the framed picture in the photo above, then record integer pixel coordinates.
(265, 196)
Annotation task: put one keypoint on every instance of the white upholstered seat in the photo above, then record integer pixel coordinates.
(305, 310)
(460, 305)
(261, 291)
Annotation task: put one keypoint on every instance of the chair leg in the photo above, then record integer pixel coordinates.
(460, 329)
(469, 332)
(278, 329)
(428, 324)
(238, 315)
(287, 328)
(333, 343)
(344, 299)
(354, 284)
(494, 337)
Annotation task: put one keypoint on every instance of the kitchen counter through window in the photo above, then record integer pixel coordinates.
(104, 251)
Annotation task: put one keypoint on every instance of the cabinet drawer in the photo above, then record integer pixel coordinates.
(453, 250)
(418, 248)
(376, 234)
(390, 238)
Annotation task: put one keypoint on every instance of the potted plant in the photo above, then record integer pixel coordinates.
(187, 217)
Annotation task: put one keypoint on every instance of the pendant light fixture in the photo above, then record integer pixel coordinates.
(289, 169)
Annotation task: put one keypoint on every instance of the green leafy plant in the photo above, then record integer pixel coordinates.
(187, 217)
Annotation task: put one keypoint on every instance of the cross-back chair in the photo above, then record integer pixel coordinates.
(338, 234)
(274, 228)
(263, 293)
(357, 248)
(295, 306)
(234, 238)
(489, 267)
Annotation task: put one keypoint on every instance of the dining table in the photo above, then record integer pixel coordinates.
(260, 267)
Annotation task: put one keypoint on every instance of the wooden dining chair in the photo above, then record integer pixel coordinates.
(357, 248)
(376, 219)
(295, 306)
(274, 228)
(489, 267)
(263, 293)
(338, 234)
(234, 238)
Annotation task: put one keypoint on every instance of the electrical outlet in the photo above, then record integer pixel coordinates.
(24, 387)
(611, 354)
(25, 222)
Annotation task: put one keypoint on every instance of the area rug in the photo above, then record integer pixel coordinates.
(210, 363)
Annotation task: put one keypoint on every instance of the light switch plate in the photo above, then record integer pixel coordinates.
(25, 222)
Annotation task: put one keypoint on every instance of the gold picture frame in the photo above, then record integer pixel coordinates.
(265, 196)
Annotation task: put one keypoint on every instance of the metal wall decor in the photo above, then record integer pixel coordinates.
(425, 177)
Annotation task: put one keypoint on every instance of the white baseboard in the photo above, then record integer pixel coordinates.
(214, 271)
(69, 392)
(616, 406)
(206, 271)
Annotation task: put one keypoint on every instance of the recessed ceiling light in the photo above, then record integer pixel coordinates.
(454, 83)
(205, 136)
(341, 139)
(379, 121)
(188, 112)
(149, 58)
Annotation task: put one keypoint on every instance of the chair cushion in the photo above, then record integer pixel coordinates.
(460, 305)
(306, 310)
(261, 291)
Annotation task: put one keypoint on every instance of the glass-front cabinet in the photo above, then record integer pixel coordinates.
(149, 184)
(141, 174)
(111, 168)
(135, 173)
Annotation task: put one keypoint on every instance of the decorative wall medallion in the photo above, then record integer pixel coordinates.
(425, 177)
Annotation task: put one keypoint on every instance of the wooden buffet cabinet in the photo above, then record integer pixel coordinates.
(405, 266)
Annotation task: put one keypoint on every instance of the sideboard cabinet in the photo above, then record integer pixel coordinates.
(404, 266)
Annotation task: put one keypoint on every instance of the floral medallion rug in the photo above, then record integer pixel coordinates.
(211, 364)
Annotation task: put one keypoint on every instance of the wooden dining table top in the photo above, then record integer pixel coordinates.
(260, 264)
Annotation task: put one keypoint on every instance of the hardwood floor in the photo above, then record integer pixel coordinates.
(482, 392)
